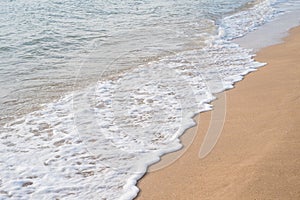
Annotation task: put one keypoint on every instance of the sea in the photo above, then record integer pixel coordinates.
(92, 92)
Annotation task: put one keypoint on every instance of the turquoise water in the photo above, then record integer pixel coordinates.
(93, 92)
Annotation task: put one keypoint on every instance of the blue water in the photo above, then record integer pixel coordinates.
(93, 92)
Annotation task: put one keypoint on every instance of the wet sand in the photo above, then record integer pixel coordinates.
(258, 153)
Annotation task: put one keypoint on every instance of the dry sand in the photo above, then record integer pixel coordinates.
(258, 153)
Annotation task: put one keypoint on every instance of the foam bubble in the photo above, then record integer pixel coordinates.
(241, 23)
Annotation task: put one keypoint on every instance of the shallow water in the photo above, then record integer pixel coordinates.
(49, 47)
(93, 92)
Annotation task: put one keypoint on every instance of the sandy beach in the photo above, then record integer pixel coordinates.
(258, 153)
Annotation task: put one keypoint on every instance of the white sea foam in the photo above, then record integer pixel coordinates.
(96, 143)
(241, 23)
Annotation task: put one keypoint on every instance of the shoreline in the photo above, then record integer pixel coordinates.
(256, 155)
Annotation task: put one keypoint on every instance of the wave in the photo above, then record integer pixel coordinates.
(99, 141)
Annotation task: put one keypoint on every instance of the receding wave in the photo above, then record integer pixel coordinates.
(98, 141)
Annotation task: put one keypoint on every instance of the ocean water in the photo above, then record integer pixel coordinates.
(93, 92)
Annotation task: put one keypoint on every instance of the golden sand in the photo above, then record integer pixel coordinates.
(258, 153)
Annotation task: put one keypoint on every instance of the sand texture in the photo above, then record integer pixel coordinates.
(258, 153)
